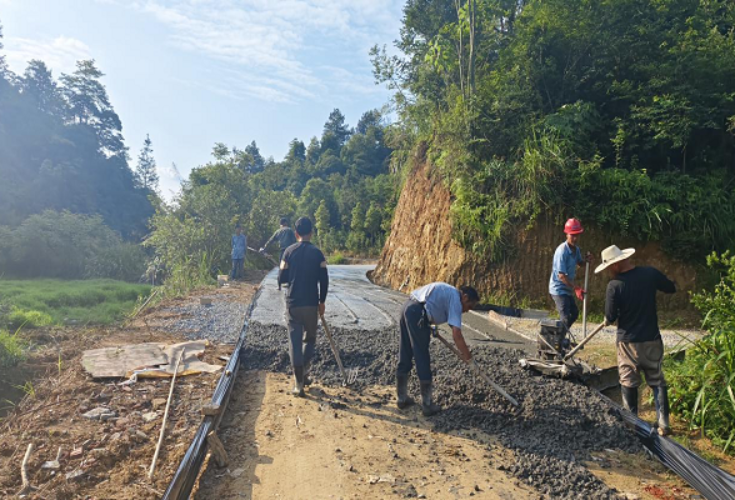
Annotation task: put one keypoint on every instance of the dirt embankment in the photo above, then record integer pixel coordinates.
(420, 249)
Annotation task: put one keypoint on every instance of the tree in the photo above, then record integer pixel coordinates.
(357, 223)
(373, 221)
(3, 64)
(336, 126)
(369, 119)
(296, 152)
(89, 105)
(38, 83)
(145, 172)
(257, 162)
(220, 151)
(322, 217)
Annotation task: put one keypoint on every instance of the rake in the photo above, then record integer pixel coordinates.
(348, 377)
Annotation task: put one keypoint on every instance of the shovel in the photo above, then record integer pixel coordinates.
(347, 379)
(584, 302)
(475, 368)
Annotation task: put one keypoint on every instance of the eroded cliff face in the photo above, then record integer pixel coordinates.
(420, 250)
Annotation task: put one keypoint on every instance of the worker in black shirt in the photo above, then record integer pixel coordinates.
(285, 237)
(304, 268)
(631, 301)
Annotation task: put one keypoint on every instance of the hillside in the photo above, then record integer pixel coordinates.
(420, 249)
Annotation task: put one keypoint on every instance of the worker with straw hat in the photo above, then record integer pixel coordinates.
(631, 301)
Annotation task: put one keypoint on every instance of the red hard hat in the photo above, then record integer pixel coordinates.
(573, 226)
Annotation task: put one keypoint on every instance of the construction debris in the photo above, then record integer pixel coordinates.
(149, 360)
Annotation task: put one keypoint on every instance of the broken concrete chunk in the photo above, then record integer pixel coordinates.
(150, 416)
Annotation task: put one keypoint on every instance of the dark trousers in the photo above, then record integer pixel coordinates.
(302, 324)
(414, 343)
(567, 308)
(237, 265)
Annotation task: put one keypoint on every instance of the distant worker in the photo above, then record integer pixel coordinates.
(239, 244)
(567, 258)
(304, 268)
(285, 237)
(631, 301)
(436, 303)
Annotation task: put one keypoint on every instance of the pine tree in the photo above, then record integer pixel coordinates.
(322, 217)
(146, 169)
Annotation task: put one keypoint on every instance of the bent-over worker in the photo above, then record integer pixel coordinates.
(567, 258)
(285, 238)
(436, 303)
(304, 268)
(631, 301)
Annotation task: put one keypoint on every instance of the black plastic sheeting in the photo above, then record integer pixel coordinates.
(710, 481)
(186, 475)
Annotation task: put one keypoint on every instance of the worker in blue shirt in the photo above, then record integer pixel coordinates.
(239, 244)
(433, 304)
(567, 258)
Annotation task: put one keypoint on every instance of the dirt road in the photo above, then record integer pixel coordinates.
(353, 442)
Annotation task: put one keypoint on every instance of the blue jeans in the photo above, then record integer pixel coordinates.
(237, 265)
(414, 344)
(567, 308)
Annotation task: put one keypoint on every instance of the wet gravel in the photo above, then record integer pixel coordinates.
(561, 422)
(220, 322)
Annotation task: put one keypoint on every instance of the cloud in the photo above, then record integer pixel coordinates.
(269, 47)
(59, 54)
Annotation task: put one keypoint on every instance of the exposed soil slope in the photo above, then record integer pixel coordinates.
(420, 250)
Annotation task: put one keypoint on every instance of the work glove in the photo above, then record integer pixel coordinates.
(262, 250)
(579, 292)
(588, 258)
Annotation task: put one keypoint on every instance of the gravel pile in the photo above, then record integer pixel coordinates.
(220, 322)
(560, 424)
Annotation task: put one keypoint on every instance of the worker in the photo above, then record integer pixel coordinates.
(239, 244)
(631, 301)
(567, 258)
(433, 304)
(285, 237)
(304, 268)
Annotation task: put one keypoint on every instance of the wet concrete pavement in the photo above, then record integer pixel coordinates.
(356, 303)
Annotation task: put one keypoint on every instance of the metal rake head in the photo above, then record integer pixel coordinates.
(351, 377)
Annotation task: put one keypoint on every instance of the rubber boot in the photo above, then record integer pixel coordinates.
(307, 378)
(298, 374)
(630, 398)
(661, 398)
(404, 400)
(428, 408)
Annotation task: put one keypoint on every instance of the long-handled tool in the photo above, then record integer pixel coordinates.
(476, 369)
(584, 341)
(347, 379)
(584, 302)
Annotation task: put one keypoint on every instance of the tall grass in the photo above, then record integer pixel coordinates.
(12, 349)
(43, 302)
(703, 385)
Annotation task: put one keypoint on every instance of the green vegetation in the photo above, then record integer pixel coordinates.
(341, 181)
(337, 259)
(61, 148)
(12, 349)
(33, 303)
(703, 384)
(620, 113)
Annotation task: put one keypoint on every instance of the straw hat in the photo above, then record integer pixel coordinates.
(613, 254)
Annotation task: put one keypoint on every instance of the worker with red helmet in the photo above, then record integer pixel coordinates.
(567, 258)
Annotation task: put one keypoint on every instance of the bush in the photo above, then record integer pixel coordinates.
(12, 349)
(21, 318)
(70, 246)
(703, 385)
(337, 259)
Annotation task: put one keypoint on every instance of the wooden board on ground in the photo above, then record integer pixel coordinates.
(149, 360)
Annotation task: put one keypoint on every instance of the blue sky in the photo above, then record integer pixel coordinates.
(195, 72)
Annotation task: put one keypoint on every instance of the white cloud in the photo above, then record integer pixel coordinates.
(267, 44)
(60, 54)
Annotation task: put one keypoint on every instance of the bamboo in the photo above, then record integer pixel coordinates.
(165, 416)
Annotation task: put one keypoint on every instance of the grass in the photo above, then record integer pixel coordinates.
(43, 302)
(12, 349)
(336, 259)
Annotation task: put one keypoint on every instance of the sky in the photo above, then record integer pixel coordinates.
(194, 72)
